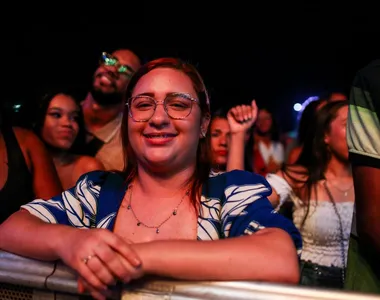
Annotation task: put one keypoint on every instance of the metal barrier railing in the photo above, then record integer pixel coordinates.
(55, 280)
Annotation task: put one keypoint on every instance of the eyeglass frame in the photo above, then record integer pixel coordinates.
(162, 102)
(118, 64)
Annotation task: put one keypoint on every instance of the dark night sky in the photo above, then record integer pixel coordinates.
(279, 61)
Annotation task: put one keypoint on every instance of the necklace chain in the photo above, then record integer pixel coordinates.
(342, 248)
(157, 227)
(345, 192)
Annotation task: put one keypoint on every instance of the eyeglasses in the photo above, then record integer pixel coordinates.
(177, 106)
(109, 60)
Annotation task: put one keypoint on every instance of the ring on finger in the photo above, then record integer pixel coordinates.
(86, 259)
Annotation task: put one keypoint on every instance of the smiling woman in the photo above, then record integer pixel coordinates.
(59, 124)
(163, 215)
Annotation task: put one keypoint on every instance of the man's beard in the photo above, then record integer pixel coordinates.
(106, 99)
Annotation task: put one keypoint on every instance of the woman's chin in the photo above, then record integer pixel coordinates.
(221, 162)
(158, 162)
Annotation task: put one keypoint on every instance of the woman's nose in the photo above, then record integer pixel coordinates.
(160, 115)
(66, 121)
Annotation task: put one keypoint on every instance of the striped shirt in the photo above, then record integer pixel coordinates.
(232, 204)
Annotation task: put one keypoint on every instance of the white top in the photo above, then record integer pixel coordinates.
(275, 149)
(321, 231)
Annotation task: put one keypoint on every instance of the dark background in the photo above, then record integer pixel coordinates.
(280, 59)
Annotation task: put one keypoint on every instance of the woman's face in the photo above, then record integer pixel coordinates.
(264, 121)
(163, 143)
(220, 136)
(336, 137)
(61, 122)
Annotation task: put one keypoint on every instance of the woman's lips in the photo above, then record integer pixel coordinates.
(159, 139)
(222, 152)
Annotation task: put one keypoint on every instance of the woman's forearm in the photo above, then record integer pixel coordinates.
(26, 235)
(235, 159)
(268, 255)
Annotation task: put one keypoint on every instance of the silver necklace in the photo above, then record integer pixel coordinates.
(345, 192)
(157, 227)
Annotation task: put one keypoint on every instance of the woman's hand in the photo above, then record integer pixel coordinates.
(242, 117)
(101, 258)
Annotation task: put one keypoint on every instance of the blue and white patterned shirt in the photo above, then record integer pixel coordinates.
(232, 204)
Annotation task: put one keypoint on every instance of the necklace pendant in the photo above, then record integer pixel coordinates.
(174, 212)
(157, 230)
(129, 206)
(138, 223)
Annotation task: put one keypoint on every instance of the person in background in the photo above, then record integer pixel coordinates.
(220, 136)
(104, 104)
(319, 187)
(225, 130)
(363, 138)
(307, 120)
(59, 124)
(26, 169)
(267, 152)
